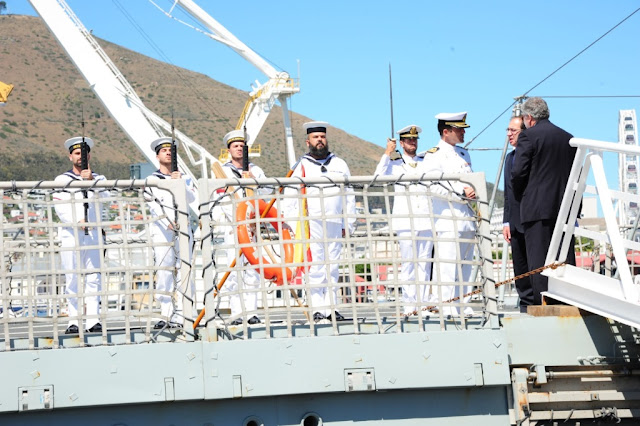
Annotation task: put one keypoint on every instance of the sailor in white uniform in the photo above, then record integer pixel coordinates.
(166, 248)
(410, 220)
(326, 212)
(446, 157)
(249, 277)
(72, 236)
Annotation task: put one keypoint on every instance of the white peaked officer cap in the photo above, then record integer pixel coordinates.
(316, 126)
(75, 143)
(164, 142)
(411, 131)
(233, 136)
(453, 119)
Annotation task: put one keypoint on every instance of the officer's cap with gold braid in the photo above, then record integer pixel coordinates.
(75, 143)
(411, 131)
(164, 142)
(453, 119)
(315, 126)
(233, 136)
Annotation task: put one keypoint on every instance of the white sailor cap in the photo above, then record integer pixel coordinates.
(75, 143)
(233, 136)
(316, 126)
(164, 142)
(411, 131)
(453, 119)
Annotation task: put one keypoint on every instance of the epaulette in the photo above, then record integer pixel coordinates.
(432, 150)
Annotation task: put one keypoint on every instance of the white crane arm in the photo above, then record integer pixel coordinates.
(225, 36)
(263, 97)
(101, 74)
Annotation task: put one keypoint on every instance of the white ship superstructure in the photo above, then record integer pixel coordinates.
(628, 166)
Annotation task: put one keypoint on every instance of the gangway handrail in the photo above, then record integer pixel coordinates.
(616, 298)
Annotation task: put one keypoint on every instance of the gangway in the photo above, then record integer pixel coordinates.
(611, 297)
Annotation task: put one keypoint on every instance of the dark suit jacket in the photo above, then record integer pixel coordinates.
(541, 170)
(511, 205)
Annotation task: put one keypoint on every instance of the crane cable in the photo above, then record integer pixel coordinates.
(207, 33)
(555, 71)
(161, 53)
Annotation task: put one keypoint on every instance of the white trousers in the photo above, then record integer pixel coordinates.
(167, 280)
(321, 297)
(415, 250)
(448, 271)
(89, 259)
(246, 286)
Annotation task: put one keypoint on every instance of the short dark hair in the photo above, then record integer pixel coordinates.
(442, 126)
(521, 118)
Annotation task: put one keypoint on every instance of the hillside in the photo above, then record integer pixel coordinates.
(50, 94)
(50, 97)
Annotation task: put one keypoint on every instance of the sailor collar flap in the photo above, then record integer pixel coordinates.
(322, 163)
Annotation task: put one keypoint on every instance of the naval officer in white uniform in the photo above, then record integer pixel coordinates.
(248, 278)
(163, 233)
(320, 162)
(71, 236)
(447, 157)
(410, 220)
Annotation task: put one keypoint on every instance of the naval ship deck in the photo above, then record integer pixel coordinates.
(495, 366)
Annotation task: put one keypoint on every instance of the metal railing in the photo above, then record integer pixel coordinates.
(33, 302)
(617, 297)
(366, 272)
(366, 275)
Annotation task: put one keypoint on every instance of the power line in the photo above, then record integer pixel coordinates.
(589, 96)
(555, 71)
(166, 59)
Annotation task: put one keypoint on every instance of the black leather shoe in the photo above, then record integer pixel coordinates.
(97, 328)
(237, 321)
(318, 317)
(254, 320)
(159, 325)
(337, 316)
(72, 329)
(175, 325)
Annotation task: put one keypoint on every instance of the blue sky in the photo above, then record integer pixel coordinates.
(473, 56)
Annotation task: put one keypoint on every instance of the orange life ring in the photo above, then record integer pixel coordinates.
(245, 216)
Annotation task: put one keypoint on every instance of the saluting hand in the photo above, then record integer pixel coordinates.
(176, 175)
(391, 147)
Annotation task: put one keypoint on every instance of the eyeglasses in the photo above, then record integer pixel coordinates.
(510, 130)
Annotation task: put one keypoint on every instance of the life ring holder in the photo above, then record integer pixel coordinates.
(270, 271)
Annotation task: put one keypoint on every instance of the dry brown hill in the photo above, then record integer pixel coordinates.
(50, 94)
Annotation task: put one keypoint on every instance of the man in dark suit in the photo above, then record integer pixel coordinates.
(539, 176)
(512, 228)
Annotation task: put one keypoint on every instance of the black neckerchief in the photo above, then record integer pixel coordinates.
(159, 174)
(236, 171)
(323, 166)
(74, 176)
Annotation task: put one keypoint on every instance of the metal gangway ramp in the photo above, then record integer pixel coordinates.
(616, 297)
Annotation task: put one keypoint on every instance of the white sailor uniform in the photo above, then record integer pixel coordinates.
(326, 211)
(411, 223)
(445, 158)
(166, 248)
(83, 263)
(250, 277)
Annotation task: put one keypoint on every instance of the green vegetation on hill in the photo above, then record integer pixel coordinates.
(51, 96)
